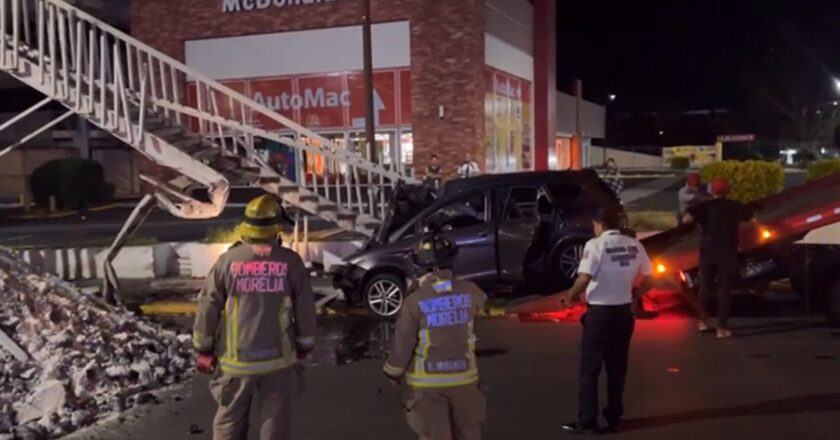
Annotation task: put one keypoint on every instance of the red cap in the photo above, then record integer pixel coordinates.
(720, 187)
(693, 180)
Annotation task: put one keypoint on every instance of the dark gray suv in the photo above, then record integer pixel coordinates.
(523, 232)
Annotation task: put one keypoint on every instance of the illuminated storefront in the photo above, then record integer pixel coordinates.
(450, 78)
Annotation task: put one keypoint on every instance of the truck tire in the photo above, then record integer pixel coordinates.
(833, 309)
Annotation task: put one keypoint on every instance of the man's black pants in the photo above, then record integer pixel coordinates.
(606, 342)
(717, 274)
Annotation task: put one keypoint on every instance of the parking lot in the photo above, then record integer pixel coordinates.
(777, 380)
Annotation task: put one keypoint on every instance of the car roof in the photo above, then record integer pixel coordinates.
(522, 178)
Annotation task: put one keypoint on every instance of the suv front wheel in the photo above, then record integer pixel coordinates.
(384, 294)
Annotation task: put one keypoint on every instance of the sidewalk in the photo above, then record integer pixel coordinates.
(648, 189)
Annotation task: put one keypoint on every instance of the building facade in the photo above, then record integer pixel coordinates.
(451, 77)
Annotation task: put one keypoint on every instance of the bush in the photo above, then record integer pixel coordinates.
(823, 168)
(680, 163)
(75, 183)
(750, 180)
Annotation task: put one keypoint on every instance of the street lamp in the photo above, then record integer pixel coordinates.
(837, 84)
(612, 97)
(661, 132)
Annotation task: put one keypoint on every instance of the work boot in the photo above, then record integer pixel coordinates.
(578, 429)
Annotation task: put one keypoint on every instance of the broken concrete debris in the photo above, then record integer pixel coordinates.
(84, 360)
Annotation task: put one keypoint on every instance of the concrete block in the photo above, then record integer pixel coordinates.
(165, 260)
(135, 262)
(204, 256)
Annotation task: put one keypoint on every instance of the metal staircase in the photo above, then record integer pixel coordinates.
(207, 143)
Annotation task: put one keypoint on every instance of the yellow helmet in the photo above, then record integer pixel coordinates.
(262, 219)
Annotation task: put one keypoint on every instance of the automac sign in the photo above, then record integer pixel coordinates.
(251, 5)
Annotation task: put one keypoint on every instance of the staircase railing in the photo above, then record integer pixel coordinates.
(109, 75)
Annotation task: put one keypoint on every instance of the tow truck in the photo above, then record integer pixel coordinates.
(796, 236)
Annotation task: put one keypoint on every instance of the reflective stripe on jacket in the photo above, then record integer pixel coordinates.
(255, 312)
(434, 342)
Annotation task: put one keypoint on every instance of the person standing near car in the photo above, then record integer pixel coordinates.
(719, 220)
(689, 195)
(434, 348)
(612, 177)
(611, 263)
(433, 172)
(256, 318)
(469, 167)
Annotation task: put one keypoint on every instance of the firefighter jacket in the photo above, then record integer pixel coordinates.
(256, 312)
(434, 341)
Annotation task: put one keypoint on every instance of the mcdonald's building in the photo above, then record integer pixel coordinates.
(450, 76)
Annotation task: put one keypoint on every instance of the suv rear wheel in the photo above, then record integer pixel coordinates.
(384, 294)
(567, 260)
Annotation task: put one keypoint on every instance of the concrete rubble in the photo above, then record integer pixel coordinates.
(84, 361)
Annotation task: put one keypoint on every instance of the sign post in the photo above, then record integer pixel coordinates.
(367, 38)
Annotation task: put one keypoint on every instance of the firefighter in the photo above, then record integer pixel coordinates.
(719, 220)
(434, 348)
(256, 319)
(611, 264)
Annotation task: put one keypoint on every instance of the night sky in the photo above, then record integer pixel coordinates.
(690, 54)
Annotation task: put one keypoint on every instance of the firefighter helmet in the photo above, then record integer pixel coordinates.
(262, 220)
(435, 252)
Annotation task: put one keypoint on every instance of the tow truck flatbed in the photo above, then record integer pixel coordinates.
(786, 217)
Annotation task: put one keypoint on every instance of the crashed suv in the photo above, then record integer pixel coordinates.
(523, 232)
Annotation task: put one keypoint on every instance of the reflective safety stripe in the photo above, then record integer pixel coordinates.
(306, 341)
(202, 342)
(442, 286)
(441, 380)
(236, 327)
(392, 370)
(471, 339)
(255, 368)
(228, 329)
(422, 351)
(285, 321)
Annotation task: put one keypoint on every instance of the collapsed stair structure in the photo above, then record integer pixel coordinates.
(204, 133)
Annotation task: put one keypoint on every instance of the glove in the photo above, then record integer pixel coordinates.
(205, 363)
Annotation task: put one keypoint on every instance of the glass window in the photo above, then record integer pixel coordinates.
(564, 194)
(470, 211)
(521, 202)
(407, 141)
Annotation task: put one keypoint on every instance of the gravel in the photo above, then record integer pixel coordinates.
(87, 361)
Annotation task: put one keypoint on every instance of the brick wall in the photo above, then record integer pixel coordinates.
(447, 55)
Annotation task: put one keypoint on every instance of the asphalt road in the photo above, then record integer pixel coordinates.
(778, 380)
(101, 227)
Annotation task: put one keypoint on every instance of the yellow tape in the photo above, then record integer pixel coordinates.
(496, 312)
(169, 308)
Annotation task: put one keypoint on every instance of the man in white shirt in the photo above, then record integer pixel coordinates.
(610, 266)
(468, 168)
